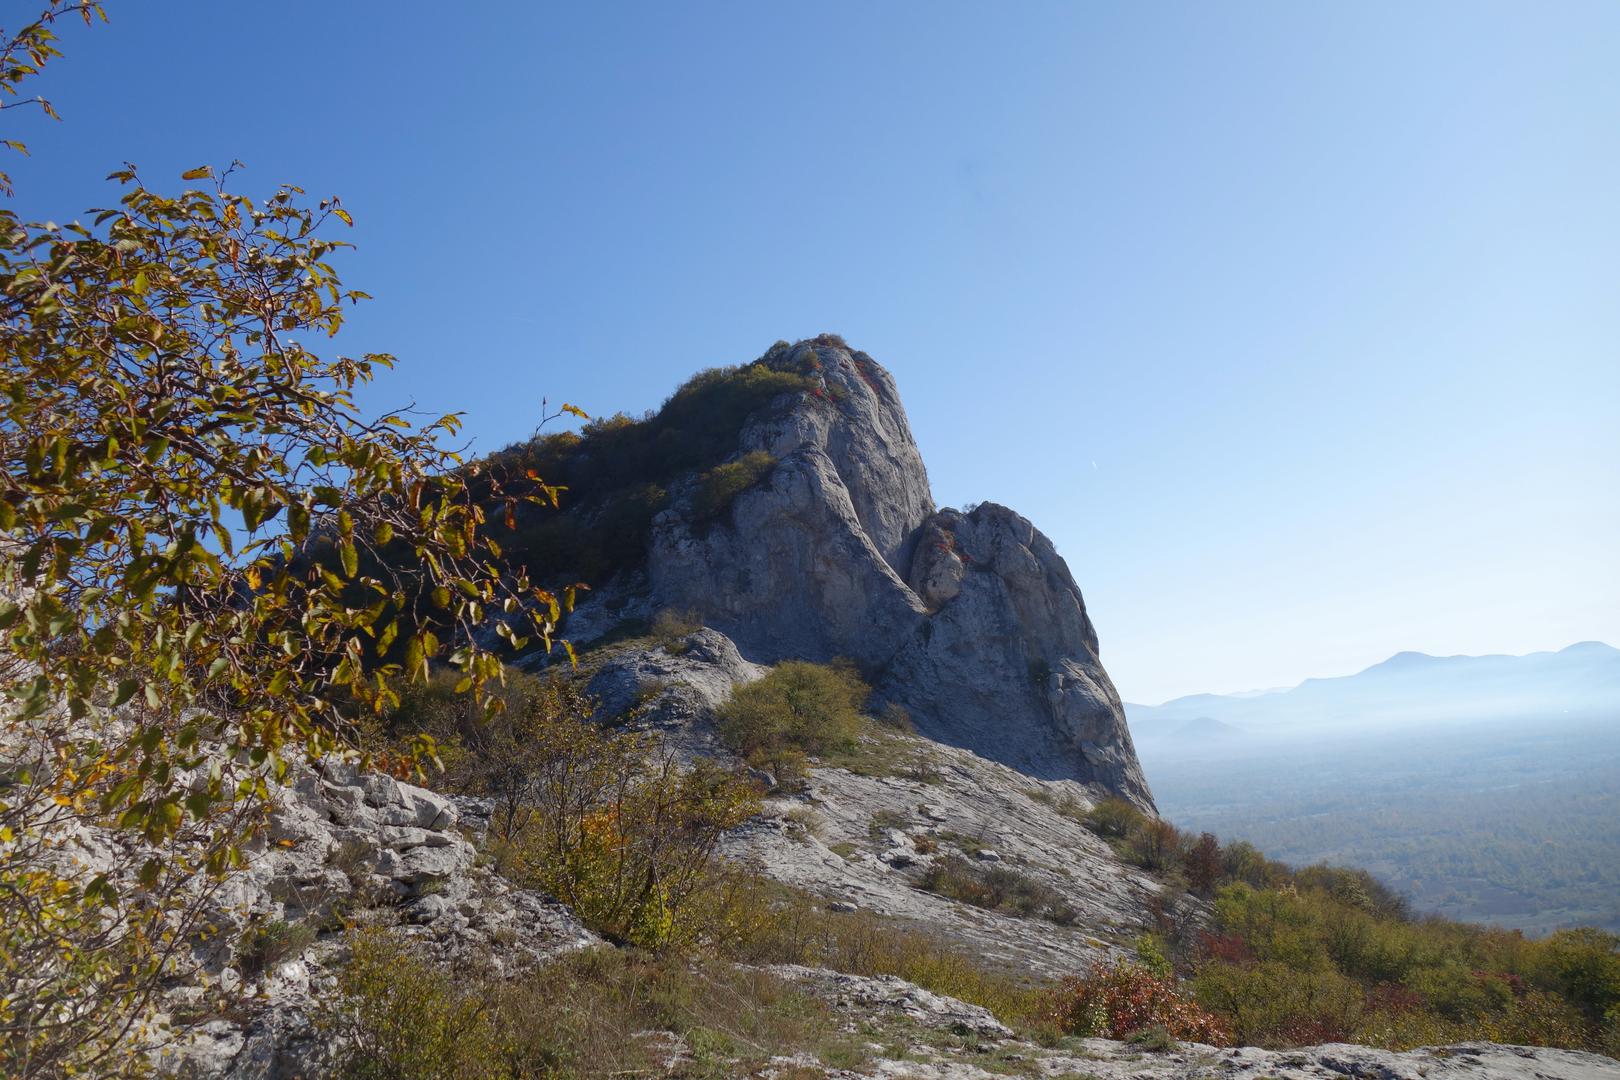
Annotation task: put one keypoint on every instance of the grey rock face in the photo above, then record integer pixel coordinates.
(792, 574)
(890, 994)
(862, 429)
(1007, 664)
(971, 621)
(967, 806)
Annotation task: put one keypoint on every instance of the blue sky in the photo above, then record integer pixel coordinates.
(1297, 327)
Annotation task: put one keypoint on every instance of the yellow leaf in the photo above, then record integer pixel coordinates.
(198, 173)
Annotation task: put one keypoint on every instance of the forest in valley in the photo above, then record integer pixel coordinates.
(1512, 824)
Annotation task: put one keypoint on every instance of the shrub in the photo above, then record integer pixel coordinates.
(267, 945)
(1583, 965)
(1113, 819)
(1153, 845)
(585, 1015)
(625, 838)
(799, 708)
(1117, 1000)
(719, 487)
(1242, 861)
(500, 755)
(405, 1019)
(671, 628)
(923, 767)
(1201, 861)
(895, 716)
(1150, 956)
(1330, 955)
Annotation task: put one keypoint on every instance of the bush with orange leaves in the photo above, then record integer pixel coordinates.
(1119, 999)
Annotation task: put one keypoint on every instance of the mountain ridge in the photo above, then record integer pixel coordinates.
(1583, 678)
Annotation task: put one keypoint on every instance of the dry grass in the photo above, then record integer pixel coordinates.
(791, 927)
(590, 1015)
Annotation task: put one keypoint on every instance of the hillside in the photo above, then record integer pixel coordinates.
(834, 783)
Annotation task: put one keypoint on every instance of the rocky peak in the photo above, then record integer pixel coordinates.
(971, 621)
(865, 436)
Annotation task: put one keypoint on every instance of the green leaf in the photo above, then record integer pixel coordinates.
(351, 558)
(101, 891)
(126, 690)
(415, 658)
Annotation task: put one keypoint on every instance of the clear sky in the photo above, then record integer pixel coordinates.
(1296, 326)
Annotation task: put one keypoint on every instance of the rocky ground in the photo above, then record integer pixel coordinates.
(868, 841)
(342, 848)
(913, 1034)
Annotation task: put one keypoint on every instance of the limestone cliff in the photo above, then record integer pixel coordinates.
(971, 621)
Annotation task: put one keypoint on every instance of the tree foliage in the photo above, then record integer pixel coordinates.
(211, 559)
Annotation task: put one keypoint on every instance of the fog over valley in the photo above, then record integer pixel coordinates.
(1486, 788)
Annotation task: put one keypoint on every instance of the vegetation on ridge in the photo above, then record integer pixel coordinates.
(616, 472)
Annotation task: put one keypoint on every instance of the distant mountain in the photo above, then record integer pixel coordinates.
(1412, 687)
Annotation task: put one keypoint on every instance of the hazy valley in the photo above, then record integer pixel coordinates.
(1507, 811)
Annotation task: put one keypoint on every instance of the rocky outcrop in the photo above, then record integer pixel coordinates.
(810, 564)
(342, 847)
(1007, 664)
(673, 694)
(867, 842)
(971, 621)
(857, 421)
(888, 994)
(792, 573)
